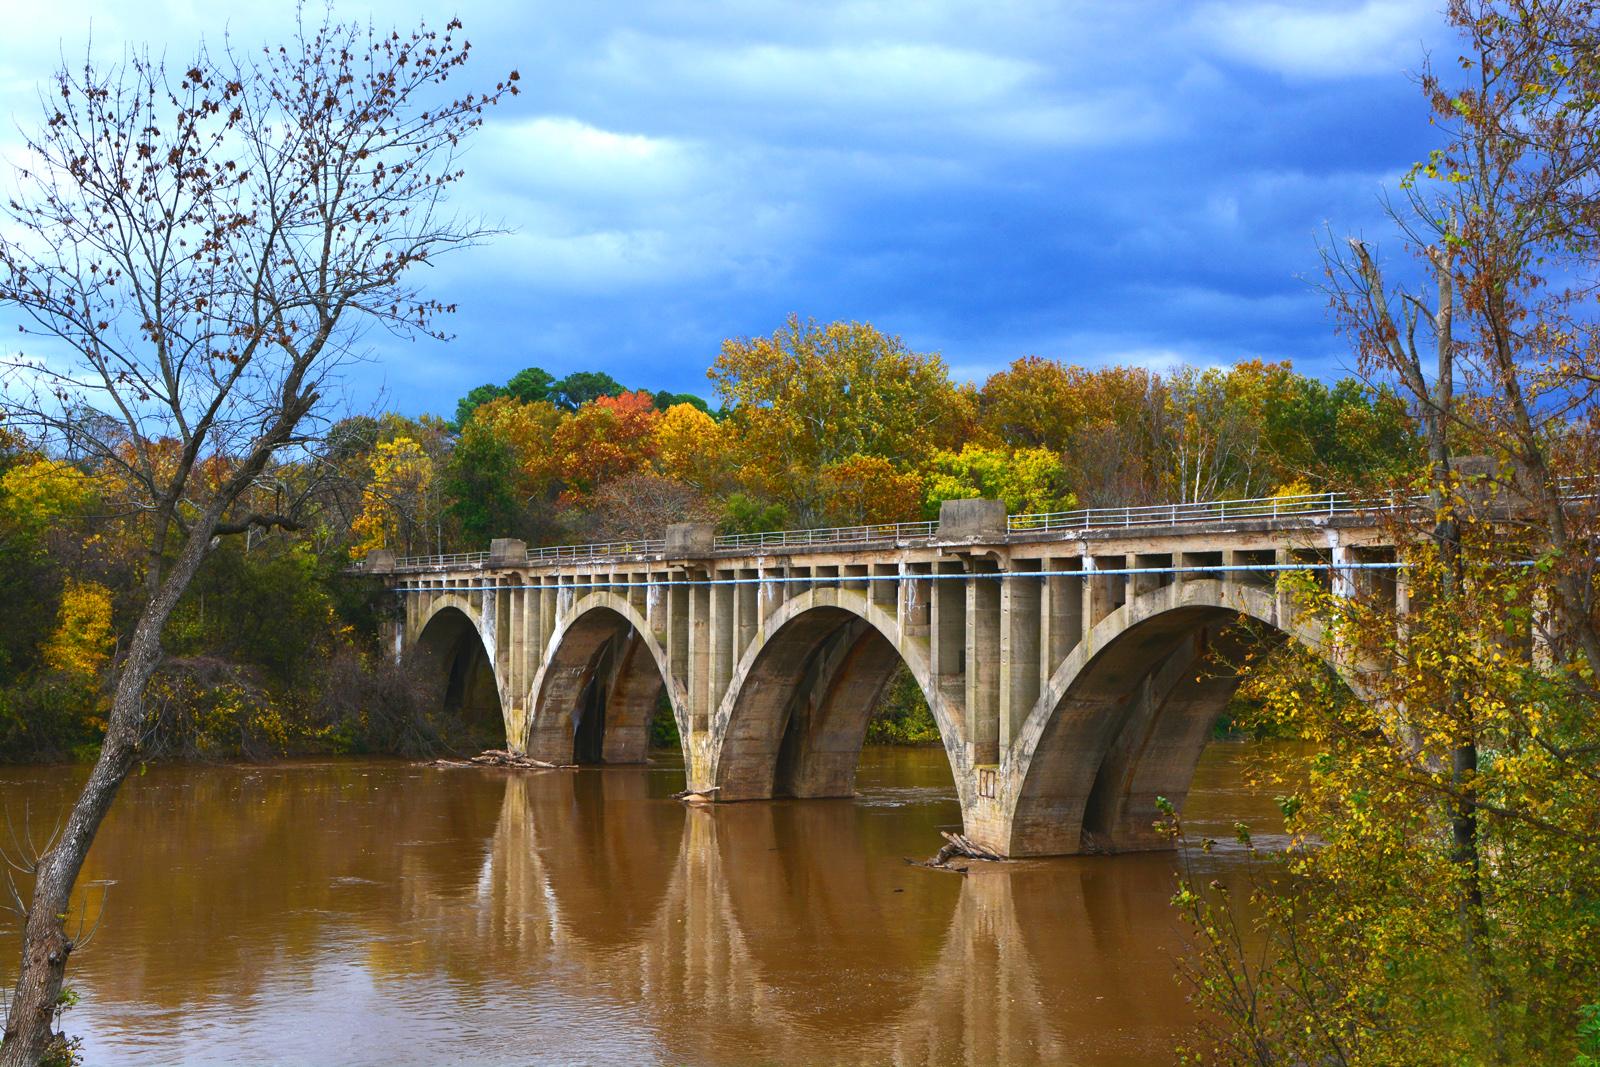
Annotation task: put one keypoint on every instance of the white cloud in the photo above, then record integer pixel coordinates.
(985, 177)
(599, 211)
(1223, 209)
(1090, 118)
(1317, 40)
(1090, 352)
(898, 78)
(550, 153)
(1154, 358)
(840, 90)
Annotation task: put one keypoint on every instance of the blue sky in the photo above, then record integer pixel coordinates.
(1115, 182)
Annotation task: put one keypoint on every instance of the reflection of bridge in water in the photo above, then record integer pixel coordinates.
(1074, 663)
(571, 916)
(733, 947)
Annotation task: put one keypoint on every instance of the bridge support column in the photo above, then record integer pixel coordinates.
(1060, 616)
(1344, 577)
(699, 639)
(948, 617)
(915, 601)
(723, 637)
(1023, 634)
(983, 655)
(1102, 593)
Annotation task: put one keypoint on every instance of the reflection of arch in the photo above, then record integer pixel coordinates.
(599, 684)
(795, 715)
(609, 863)
(984, 999)
(821, 912)
(1126, 715)
(664, 944)
(450, 640)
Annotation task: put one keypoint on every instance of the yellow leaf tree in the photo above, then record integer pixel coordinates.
(810, 396)
(35, 496)
(394, 505)
(691, 447)
(82, 639)
(1028, 480)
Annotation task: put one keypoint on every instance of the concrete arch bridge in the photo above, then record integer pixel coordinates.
(1075, 663)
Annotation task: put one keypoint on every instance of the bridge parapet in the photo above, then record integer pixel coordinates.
(1270, 515)
(690, 540)
(972, 521)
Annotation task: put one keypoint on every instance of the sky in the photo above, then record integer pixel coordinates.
(1127, 182)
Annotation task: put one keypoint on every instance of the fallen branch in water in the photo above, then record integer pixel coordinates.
(696, 796)
(499, 757)
(960, 845)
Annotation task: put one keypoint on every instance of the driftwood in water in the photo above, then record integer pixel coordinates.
(696, 796)
(499, 757)
(960, 845)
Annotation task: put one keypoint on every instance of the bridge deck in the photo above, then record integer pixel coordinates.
(1265, 514)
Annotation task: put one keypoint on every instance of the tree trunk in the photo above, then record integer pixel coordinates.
(45, 942)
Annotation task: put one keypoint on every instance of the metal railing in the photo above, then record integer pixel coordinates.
(1308, 505)
(603, 550)
(1266, 507)
(453, 559)
(833, 535)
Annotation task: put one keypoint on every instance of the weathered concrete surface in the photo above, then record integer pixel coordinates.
(972, 520)
(508, 552)
(1069, 693)
(690, 540)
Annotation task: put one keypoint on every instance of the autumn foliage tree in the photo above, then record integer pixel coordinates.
(1127, 435)
(605, 439)
(1026, 480)
(395, 503)
(860, 490)
(202, 245)
(810, 396)
(1036, 403)
(1442, 903)
(44, 505)
(692, 448)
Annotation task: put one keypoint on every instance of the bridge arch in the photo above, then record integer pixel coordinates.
(450, 639)
(602, 673)
(1124, 718)
(795, 714)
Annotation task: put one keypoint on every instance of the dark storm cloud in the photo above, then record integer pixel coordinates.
(1139, 182)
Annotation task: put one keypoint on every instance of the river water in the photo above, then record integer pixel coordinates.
(376, 912)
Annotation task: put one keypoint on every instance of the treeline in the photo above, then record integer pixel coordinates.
(272, 649)
(268, 653)
(841, 425)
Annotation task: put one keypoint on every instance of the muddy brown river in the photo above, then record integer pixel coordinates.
(372, 912)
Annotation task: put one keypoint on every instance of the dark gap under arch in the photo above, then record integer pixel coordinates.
(452, 655)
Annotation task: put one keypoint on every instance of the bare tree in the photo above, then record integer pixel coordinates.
(1503, 223)
(197, 252)
(638, 506)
